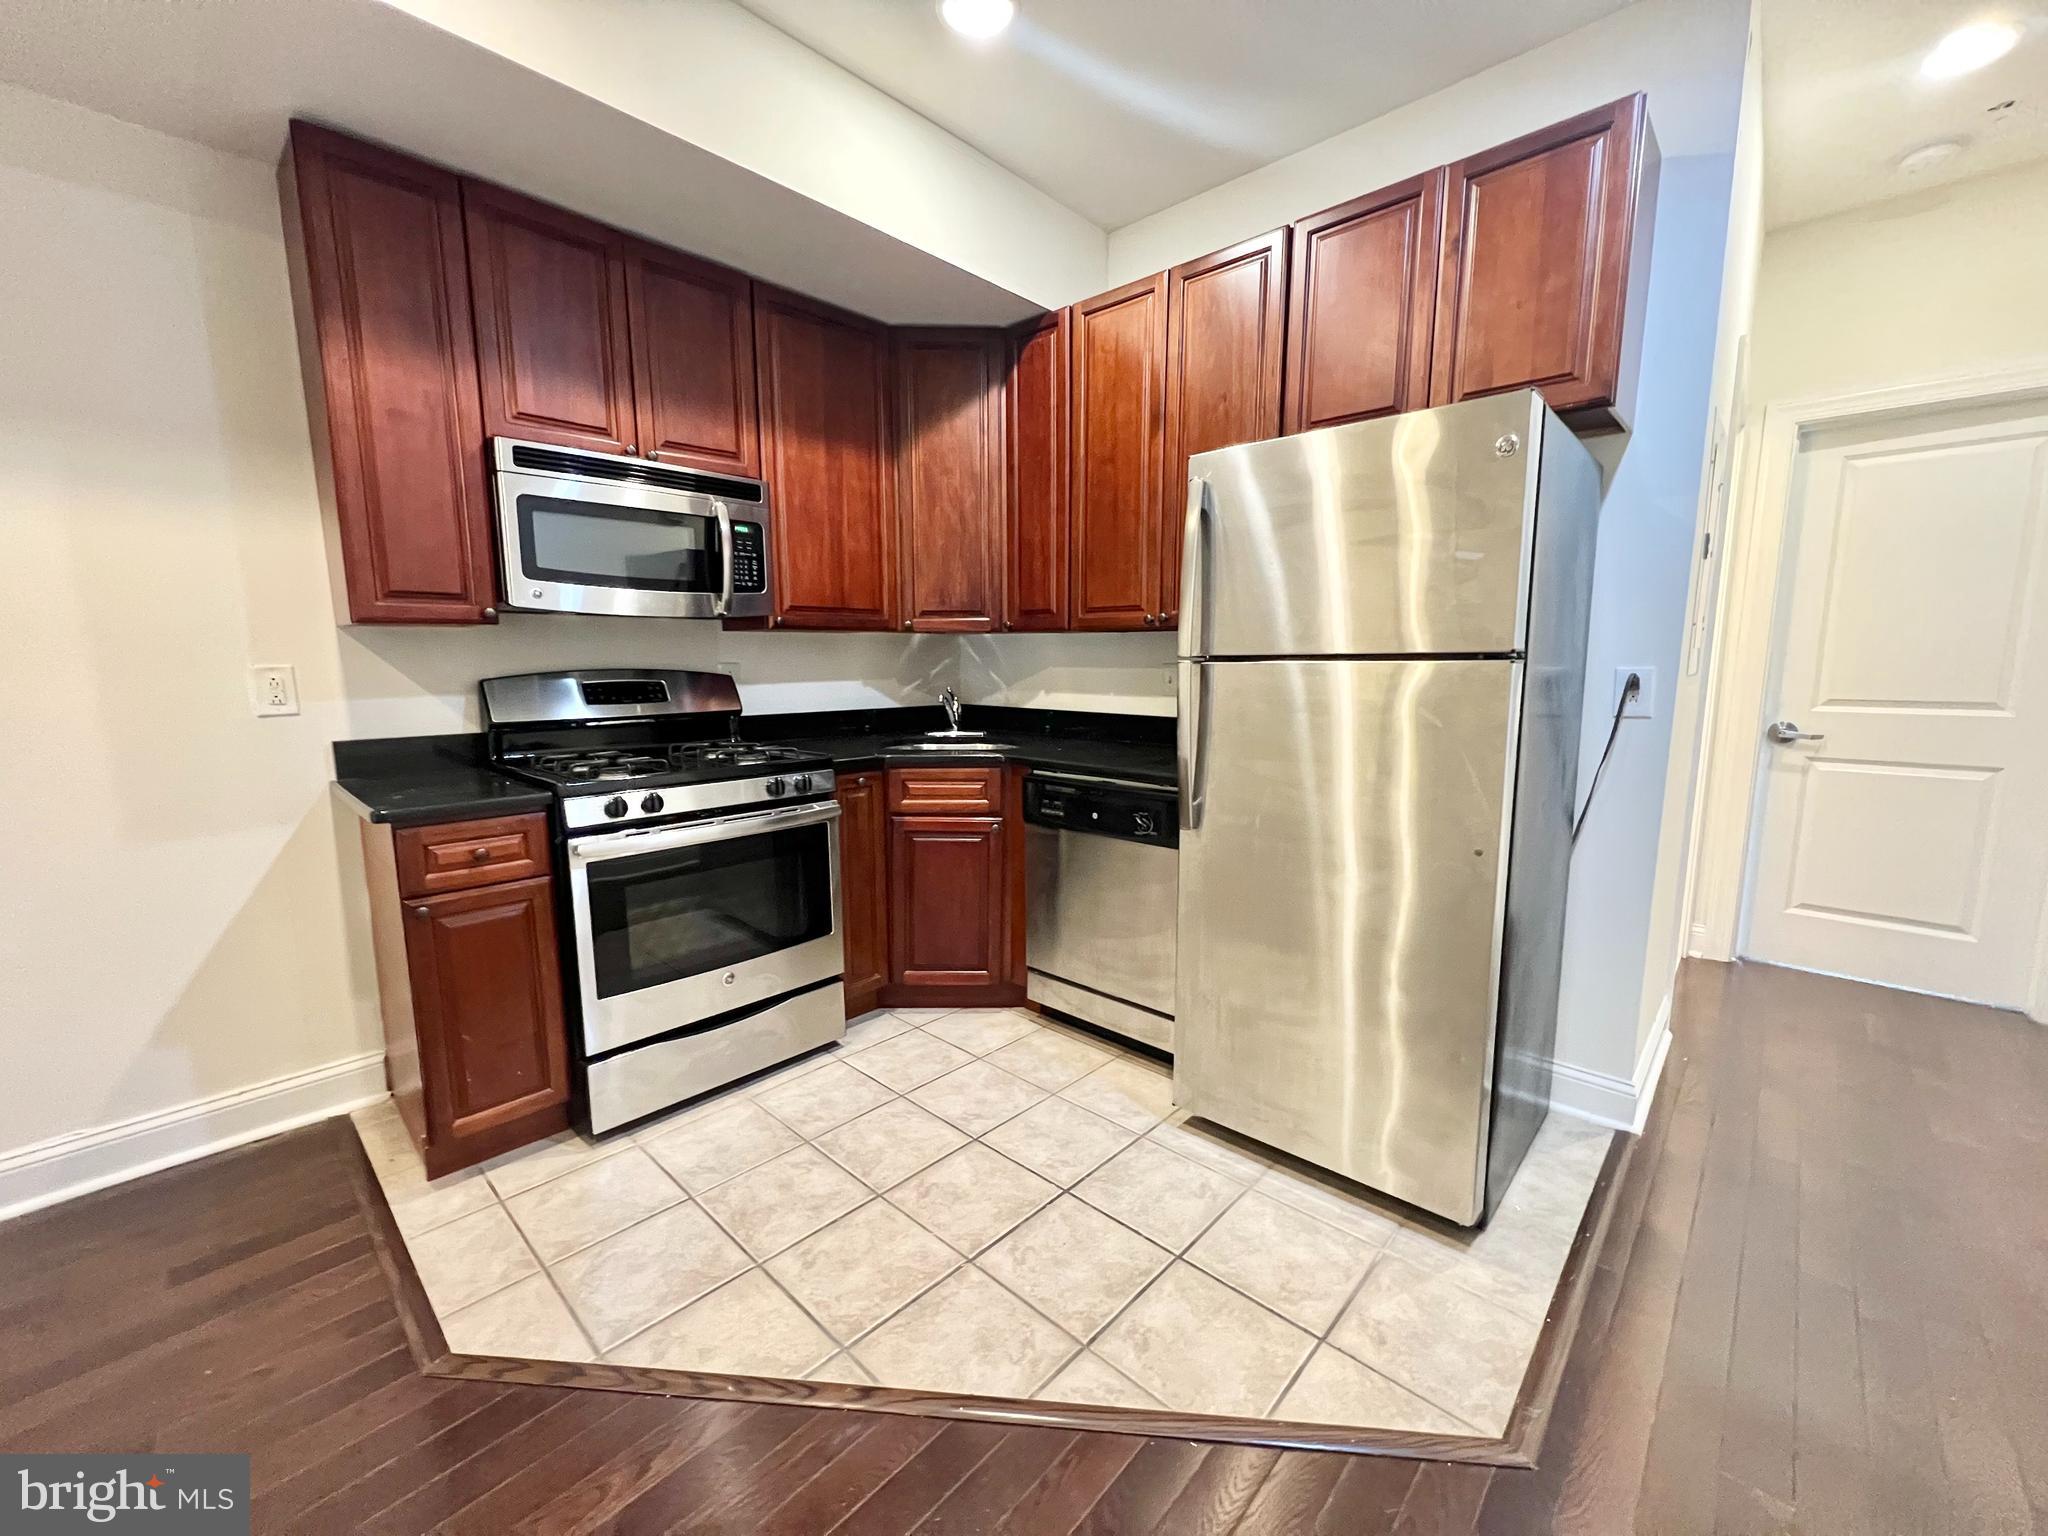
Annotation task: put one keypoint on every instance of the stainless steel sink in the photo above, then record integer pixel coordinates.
(962, 744)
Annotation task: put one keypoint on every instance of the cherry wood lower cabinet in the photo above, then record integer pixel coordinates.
(380, 285)
(469, 978)
(863, 889)
(953, 907)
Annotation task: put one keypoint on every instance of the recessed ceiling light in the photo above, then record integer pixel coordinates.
(1928, 156)
(978, 19)
(1968, 48)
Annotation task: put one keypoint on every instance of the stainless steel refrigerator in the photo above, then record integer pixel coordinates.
(1382, 666)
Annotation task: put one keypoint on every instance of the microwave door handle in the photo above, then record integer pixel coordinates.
(723, 513)
(621, 845)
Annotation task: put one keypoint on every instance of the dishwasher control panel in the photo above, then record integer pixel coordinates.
(1107, 810)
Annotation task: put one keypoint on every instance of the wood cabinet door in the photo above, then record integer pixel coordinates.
(1035, 585)
(948, 908)
(691, 324)
(487, 1005)
(949, 461)
(1540, 286)
(1117, 425)
(863, 888)
(1225, 325)
(1362, 304)
(825, 452)
(550, 294)
(381, 288)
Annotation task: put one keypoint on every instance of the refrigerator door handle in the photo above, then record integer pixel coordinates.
(1194, 571)
(1193, 695)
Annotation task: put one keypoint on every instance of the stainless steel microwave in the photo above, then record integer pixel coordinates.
(586, 532)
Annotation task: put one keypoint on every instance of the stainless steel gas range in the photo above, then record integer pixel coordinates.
(700, 891)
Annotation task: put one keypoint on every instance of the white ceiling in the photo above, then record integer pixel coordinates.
(1843, 99)
(1119, 108)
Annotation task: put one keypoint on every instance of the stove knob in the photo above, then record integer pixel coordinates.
(651, 804)
(800, 783)
(776, 786)
(615, 807)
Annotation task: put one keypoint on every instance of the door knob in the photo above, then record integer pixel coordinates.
(1785, 732)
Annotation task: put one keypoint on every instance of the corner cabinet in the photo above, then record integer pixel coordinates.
(381, 289)
(1362, 306)
(550, 295)
(863, 888)
(462, 916)
(1226, 322)
(1035, 581)
(953, 857)
(949, 477)
(1545, 268)
(1117, 425)
(826, 455)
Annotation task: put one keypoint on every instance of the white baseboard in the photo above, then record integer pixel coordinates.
(81, 1161)
(1622, 1102)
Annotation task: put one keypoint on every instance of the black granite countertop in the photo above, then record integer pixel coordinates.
(419, 780)
(1135, 747)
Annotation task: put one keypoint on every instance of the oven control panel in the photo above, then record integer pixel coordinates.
(603, 808)
(749, 557)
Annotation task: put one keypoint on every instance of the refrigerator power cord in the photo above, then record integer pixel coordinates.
(1631, 686)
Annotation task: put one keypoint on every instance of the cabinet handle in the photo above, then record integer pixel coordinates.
(490, 615)
(479, 854)
(632, 447)
(907, 623)
(422, 911)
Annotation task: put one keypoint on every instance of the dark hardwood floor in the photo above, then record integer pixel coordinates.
(1819, 1307)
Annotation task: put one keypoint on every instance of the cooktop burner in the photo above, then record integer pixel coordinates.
(678, 762)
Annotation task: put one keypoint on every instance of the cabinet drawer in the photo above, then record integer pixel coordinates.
(946, 791)
(458, 855)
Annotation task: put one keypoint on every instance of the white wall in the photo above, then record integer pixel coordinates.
(1944, 282)
(1689, 57)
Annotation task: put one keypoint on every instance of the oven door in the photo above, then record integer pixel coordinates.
(576, 546)
(683, 923)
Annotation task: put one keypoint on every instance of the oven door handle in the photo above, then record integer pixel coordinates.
(626, 844)
(723, 513)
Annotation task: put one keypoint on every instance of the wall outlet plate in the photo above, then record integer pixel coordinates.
(273, 690)
(1644, 704)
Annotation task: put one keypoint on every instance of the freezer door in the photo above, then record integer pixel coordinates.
(1340, 915)
(1405, 536)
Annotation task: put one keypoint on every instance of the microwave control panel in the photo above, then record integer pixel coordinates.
(749, 558)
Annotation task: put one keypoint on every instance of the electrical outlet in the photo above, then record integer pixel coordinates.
(273, 690)
(1644, 704)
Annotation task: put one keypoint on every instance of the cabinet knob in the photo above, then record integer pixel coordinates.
(422, 911)
(490, 615)
(776, 622)
(479, 854)
(632, 447)
(908, 622)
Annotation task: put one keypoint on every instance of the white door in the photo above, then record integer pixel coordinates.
(1906, 842)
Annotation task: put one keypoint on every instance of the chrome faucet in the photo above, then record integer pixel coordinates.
(949, 701)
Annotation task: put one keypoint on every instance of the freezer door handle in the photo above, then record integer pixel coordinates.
(1194, 571)
(1193, 687)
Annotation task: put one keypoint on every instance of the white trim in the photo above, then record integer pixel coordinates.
(1622, 1102)
(1741, 676)
(78, 1162)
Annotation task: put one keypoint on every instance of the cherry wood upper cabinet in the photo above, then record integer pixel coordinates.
(1225, 324)
(825, 455)
(1035, 587)
(1545, 266)
(381, 292)
(1118, 425)
(949, 464)
(1362, 303)
(691, 325)
(863, 888)
(551, 328)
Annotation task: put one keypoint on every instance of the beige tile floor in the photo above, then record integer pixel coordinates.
(982, 1202)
